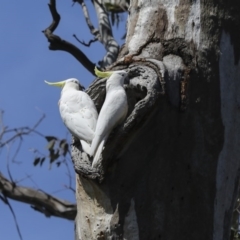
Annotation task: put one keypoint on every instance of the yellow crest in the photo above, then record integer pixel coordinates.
(102, 74)
(57, 84)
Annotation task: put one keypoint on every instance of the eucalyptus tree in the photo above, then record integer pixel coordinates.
(171, 169)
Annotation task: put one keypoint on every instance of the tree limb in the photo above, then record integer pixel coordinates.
(107, 38)
(39, 200)
(56, 43)
(94, 31)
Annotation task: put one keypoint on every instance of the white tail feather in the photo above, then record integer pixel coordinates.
(94, 145)
(98, 153)
(86, 147)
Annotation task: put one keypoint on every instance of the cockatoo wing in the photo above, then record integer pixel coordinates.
(114, 110)
(98, 152)
(79, 114)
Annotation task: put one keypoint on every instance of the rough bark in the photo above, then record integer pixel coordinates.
(171, 171)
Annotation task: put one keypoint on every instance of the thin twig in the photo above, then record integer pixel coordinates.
(39, 121)
(3, 128)
(8, 166)
(83, 43)
(68, 173)
(31, 179)
(5, 200)
(22, 179)
(16, 152)
(19, 132)
(72, 189)
(94, 31)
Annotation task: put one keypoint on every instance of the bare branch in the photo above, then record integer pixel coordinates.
(105, 36)
(94, 31)
(56, 17)
(107, 39)
(56, 43)
(19, 132)
(5, 200)
(83, 43)
(39, 200)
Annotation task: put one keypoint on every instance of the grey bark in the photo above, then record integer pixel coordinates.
(171, 170)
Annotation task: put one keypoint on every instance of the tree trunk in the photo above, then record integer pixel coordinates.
(171, 171)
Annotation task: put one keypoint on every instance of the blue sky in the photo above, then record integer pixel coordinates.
(25, 62)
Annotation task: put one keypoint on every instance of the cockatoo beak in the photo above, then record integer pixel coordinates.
(102, 74)
(57, 84)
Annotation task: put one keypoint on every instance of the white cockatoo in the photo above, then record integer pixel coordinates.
(113, 111)
(77, 111)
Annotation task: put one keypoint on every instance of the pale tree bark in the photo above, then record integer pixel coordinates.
(171, 171)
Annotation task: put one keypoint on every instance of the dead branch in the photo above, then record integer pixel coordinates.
(107, 38)
(40, 201)
(94, 31)
(18, 132)
(5, 200)
(83, 43)
(104, 34)
(56, 43)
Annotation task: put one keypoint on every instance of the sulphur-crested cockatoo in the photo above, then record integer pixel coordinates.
(78, 111)
(113, 111)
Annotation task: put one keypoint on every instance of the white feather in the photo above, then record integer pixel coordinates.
(113, 112)
(78, 112)
(98, 152)
(86, 147)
